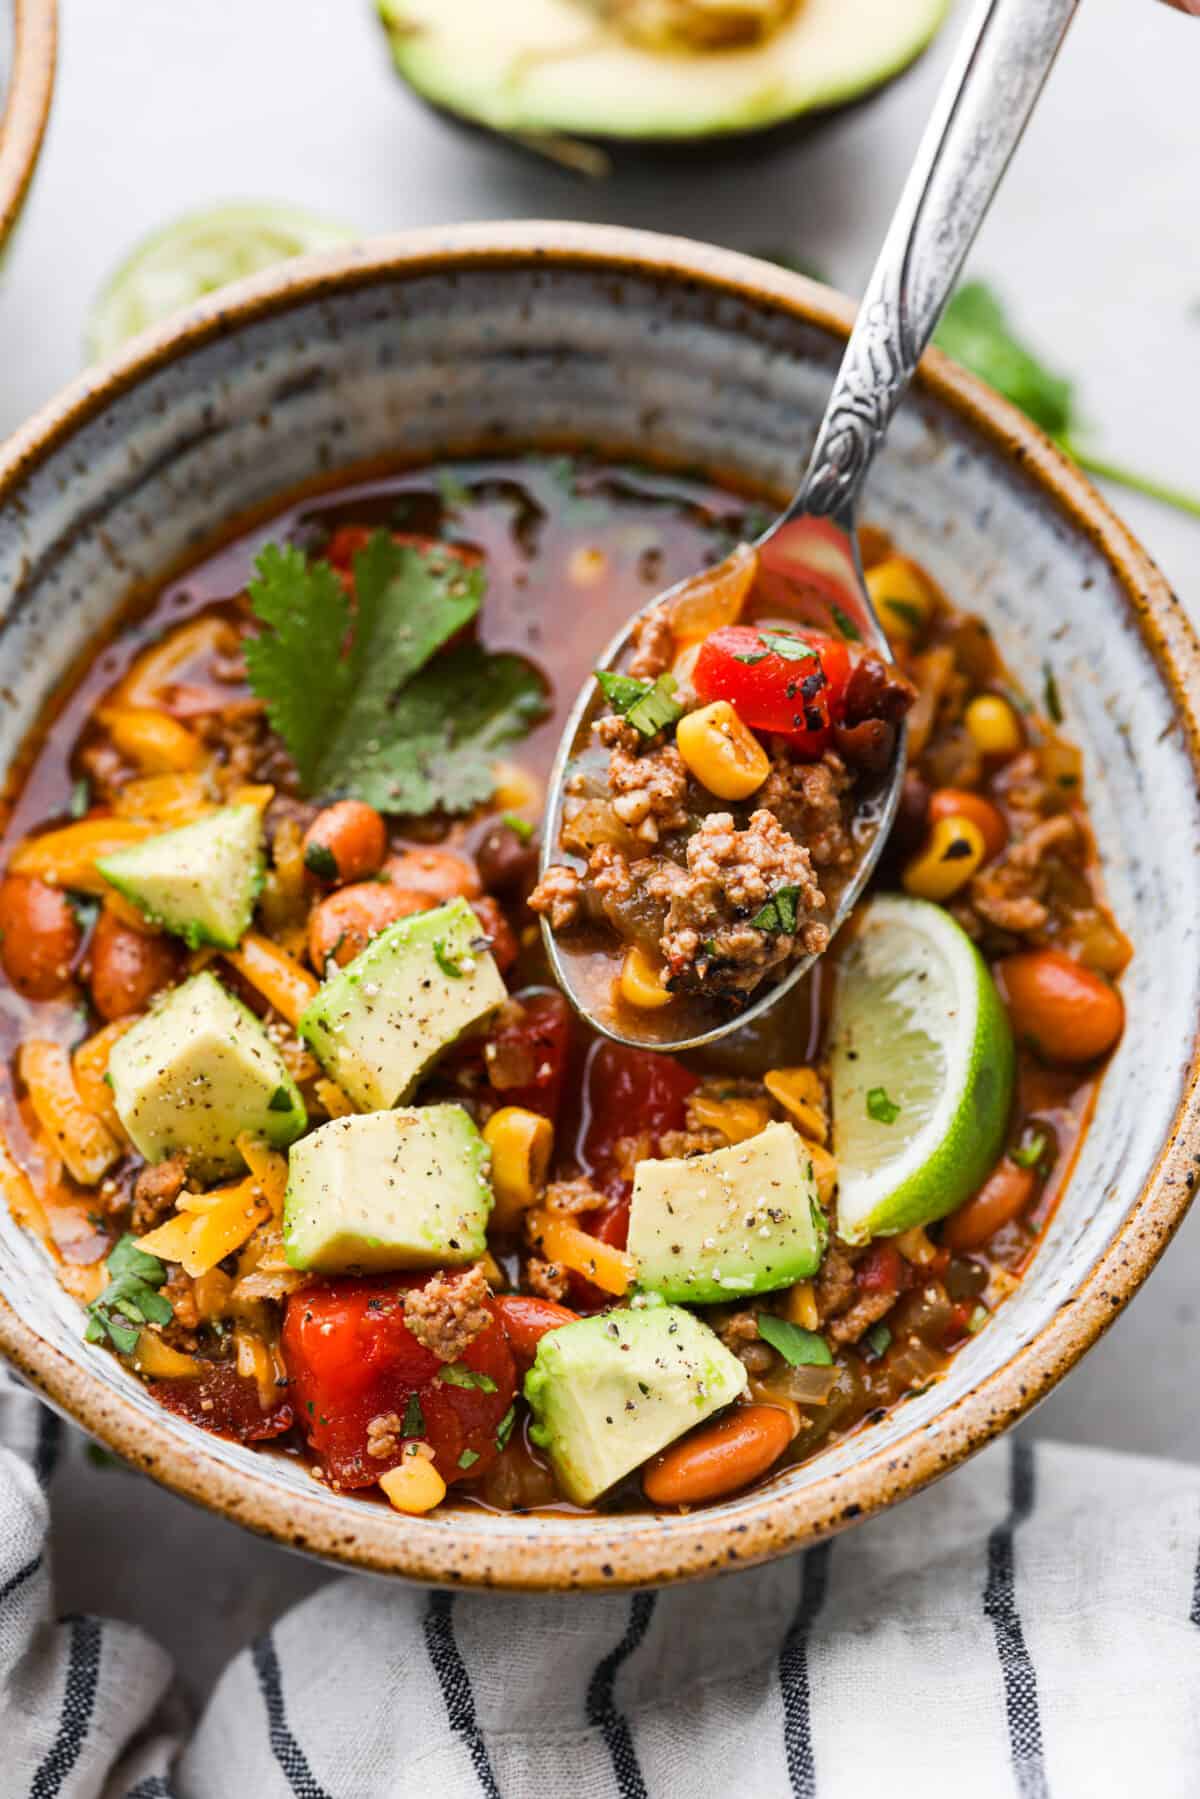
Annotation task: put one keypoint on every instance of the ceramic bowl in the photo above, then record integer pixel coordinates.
(27, 51)
(520, 336)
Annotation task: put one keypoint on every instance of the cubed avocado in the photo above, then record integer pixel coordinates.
(195, 1073)
(401, 1189)
(610, 1391)
(745, 1219)
(377, 1024)
(200, 881)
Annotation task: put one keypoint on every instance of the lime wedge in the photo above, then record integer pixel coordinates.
(195, 255)
(921, 1069)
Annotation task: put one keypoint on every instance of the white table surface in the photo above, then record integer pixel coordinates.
(162, 106)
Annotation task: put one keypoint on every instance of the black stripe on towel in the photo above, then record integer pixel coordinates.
(17, 1580)
(79, 1697)
(455, 1682)
(793, 1673)
(602, 1711)
(292, 1761)
(48, 1447)
(1000, 1605)
(154, 1786)
(1194, 1614)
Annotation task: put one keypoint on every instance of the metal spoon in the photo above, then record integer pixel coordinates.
(811, 551)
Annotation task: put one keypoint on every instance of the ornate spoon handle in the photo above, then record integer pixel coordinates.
(985, 100)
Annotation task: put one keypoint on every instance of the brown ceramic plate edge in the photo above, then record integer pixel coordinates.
(549, 1553)
(27, 103)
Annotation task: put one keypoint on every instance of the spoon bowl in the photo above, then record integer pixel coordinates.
(808, 563)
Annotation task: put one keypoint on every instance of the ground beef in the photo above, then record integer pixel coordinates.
(559, 895)
(649, 789)
(546, 1279)
(1009, 893)
(707, 941)
(449, 1312)
(809, 800)
(385, 1433)
(834, 1289)
(180, 1333)
(653, 646)
(155, 1191)
(691, 1142)
(849, 1326)
(573, 1196)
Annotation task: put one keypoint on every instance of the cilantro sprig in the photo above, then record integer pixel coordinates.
(779, 914)
(130, 1300)
(977, 331)
(365, 691)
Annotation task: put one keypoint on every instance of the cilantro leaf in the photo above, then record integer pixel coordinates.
(779, 914)
(787, 647)
(878, 1339)
(445, 730)
(1029, 1154)
(977, 331)
(445, 960)
(130, 1300)
(351, 687)
(504, 1429)
(845, 625)
(650, 706)
(798, 1347)
(414, 1418)
(457, 1374)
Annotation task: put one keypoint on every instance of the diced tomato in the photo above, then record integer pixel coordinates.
(630, 1092)
(797, 694)
(352, 1358)
(526, 1320)
(227, 1403)
(534, 1046)
(882, 1270)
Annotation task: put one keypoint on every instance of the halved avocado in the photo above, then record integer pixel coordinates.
(650, 71)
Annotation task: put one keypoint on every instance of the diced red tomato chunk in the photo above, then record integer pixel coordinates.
(354, 1365)
(781, 680)
(526, 1054)
(226, 1403)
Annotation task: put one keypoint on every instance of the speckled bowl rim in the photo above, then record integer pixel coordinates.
(566, 1553)
(27, 103)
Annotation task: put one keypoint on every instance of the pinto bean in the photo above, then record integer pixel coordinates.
(1003, 1197)
(439, 873)
(345, 842)
(718, 1458)
(127, 967)
(1065, 1010)
(39, 936)
(959, 802)
(343, 925)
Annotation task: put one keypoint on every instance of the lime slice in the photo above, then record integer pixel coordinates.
(921, 1069)
(195, 255)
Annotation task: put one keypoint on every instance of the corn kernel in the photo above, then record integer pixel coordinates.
(800, 1093)
(901, 596)
(516, 790)
(520, 1142)
(993, 726)
(917, 1246)
(415, 1486)
(802, 1306)
(639, 981)
(953, 851)
(723, 754)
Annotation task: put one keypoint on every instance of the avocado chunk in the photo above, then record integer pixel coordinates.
(745, 1219)
(402, 1189)
(650, 70)
(377, 1024)
(200, 881)
(196, 1072)
(612, 1390)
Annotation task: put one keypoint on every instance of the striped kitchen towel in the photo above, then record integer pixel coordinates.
(1029, 1629)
